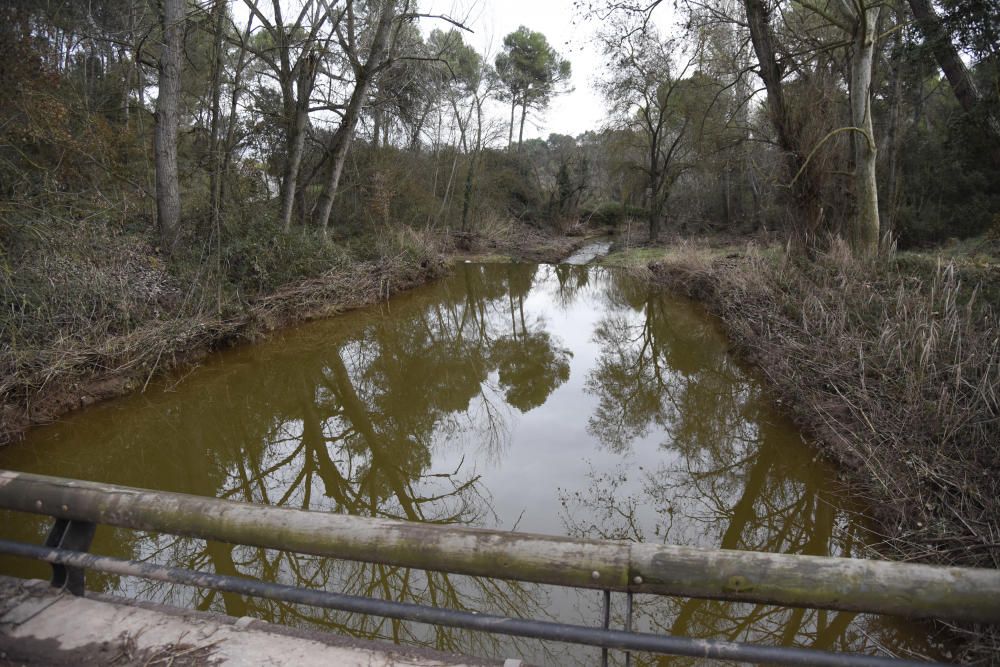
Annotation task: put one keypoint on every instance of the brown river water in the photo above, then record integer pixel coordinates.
(568, 400)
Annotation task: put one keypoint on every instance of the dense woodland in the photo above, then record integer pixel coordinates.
(211, 122)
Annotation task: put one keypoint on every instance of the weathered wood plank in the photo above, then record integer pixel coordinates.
(793, 580)
(507, 555)
(849, 584)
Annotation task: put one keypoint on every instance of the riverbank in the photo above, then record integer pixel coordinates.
(92, 316)
(892, 368)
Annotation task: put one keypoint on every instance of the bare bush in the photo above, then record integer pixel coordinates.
(896, 376)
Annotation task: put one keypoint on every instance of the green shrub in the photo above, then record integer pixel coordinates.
(258, 257)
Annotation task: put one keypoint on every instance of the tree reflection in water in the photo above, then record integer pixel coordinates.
(733, 475)
(440, 406)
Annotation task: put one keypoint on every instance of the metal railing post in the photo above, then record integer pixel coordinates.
(628, 624)
(71, 536)
(607, 624)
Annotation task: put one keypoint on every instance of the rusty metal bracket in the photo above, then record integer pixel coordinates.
(71, 536)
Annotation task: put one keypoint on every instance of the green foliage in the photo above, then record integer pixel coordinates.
(529, 68)
(509, 184)
(463, 64)
(976, 24)
(951, 185)
(257, 258)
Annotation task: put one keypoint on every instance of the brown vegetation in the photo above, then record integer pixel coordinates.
(98, 324)
(893, 368)
(94, 316)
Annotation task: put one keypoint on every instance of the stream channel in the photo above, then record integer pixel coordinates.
(569, 400)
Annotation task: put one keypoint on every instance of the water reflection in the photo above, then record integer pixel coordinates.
(555, 399)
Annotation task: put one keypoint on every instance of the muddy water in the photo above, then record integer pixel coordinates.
(589, 252)
(566, 400)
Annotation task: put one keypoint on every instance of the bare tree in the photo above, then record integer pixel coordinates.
(295, 70)
(366, 64)
(645, 87)
(215, 177)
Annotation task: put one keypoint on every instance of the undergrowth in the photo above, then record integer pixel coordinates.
(84, 297)
(895, 371)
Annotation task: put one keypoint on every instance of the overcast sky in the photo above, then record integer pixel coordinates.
(567, 32)
(572, 113)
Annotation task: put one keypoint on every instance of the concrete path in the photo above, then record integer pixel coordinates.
(39, 625)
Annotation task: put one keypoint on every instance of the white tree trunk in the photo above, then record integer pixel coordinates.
(305, 78)
(864, 236)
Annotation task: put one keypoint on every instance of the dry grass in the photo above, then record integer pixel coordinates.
(897, 375)
(91, 315)
(501, 238)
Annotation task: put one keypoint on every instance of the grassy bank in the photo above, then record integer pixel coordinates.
(892, 367)
(92, 310)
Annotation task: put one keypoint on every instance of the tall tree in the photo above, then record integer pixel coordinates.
(385, 19)
(468, 83)
(802, 175)
(531, 72)
(859, 20)
(645, 88)
(290, 51)
(168, 195)
(215, 177)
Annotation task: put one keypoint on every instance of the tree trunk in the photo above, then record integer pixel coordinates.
(305, 78)
(510, 132)
(341, 140)
(892, 139)
(376, 127)
(230, 139)
(168, 197)
(864, 236)
(467, 194)
(948, 59)
(653, 201)
(727, 203)
(520, 132)
(470, 174)
(447, 190)
(215, 177)
(805, 189)
(338, 154)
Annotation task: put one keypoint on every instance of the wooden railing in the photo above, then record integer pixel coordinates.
(911, 590)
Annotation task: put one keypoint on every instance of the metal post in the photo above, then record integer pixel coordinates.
(628, 625)
(607, 624)
(71, 536)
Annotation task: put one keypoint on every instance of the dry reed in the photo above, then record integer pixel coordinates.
(896, 375)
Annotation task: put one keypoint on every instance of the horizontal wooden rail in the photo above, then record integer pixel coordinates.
(793, 580)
